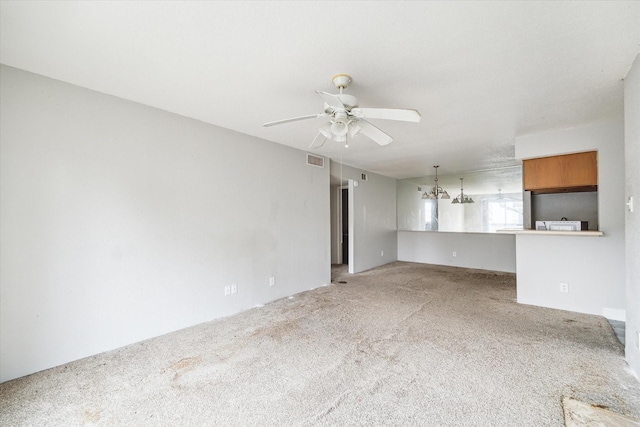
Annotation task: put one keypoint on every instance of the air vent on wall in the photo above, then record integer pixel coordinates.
(315, 160)
(363, 176)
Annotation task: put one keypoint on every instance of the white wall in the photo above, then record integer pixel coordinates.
(411, 207)
(632, 219)
(372, 207)
(451, 217)
(120, 222)
(592, 266)
(486, 251)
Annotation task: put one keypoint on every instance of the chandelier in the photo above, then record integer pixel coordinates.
(436, 191)
(461, 197)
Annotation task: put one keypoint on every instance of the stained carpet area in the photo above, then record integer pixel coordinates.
(403, 344)
(579, 414)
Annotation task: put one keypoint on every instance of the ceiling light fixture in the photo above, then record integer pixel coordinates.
(340, 126)
(436, 191)
(461, 197)
(340, 129)
(347, 120)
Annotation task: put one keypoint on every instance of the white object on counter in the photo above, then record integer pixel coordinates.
(562, 225)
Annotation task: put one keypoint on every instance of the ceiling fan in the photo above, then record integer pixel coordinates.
(346, 119)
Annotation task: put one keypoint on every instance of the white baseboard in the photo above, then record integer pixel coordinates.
(614, 314)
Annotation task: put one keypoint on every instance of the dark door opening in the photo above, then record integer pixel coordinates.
(345, 226)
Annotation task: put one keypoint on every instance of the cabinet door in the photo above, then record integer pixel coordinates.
(565, 172)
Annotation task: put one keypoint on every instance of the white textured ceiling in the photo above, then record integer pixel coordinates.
(480, 73)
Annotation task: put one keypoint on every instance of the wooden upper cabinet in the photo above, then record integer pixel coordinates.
(569, 172)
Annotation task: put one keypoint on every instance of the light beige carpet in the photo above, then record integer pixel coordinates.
(404, 344)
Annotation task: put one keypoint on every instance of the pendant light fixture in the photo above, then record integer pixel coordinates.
(461, 197)
(437, 191)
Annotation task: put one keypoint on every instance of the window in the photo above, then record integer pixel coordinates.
(501, 213)
(431, 215)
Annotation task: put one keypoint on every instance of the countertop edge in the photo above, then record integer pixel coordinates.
(553, 233)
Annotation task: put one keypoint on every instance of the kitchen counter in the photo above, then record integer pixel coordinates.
(551, 233)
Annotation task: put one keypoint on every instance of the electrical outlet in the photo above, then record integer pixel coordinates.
(638, 340)
(455, 253)
(381, 253)
(227, 290)
(564, 287)
(234, 288)
(272, 281)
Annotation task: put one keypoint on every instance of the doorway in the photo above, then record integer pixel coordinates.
(344, 222)
(341, 248)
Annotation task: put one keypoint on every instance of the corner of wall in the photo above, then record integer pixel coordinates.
(632, 219)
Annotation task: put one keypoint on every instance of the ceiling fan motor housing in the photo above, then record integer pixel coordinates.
(349, 101)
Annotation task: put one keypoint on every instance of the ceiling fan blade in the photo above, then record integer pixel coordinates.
(318, 141)
(387, 114)
(331, 100)
(374, 133)
(294, 119)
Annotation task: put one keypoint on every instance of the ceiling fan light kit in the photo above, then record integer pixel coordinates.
(347, 120)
